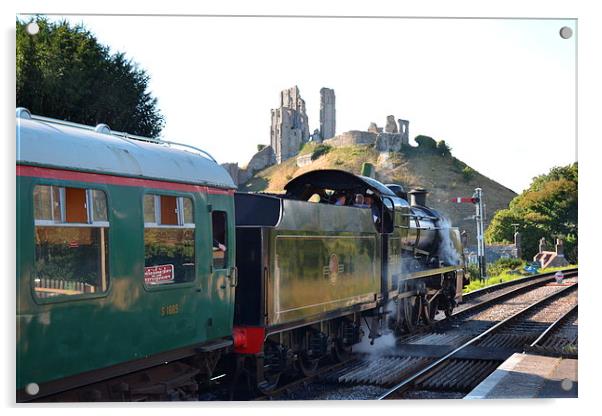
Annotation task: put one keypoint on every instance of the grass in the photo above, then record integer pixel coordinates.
(507, 276)
(570, 349)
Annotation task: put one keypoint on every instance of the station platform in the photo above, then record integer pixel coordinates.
(526, 376)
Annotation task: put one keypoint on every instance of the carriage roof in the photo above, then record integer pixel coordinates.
(53, 143)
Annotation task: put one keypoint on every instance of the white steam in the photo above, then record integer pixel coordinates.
(447, 252)
(383, 344)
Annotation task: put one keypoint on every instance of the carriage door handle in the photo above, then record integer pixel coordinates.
(233, 276)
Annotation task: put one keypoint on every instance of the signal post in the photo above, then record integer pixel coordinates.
(477, 200)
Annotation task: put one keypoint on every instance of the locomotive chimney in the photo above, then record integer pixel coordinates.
(418, 197)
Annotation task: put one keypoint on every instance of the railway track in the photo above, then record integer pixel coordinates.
(369, 376)
(467, 365)
(302, 382)
(559, 339)
(495, 293)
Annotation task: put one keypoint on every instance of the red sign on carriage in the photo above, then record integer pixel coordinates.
(156, 275)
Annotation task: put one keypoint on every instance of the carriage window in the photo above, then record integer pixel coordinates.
(220, 244)
(168, 240)
(71, 241)
(99, 205)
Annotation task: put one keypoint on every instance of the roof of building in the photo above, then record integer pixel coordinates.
(56, 144)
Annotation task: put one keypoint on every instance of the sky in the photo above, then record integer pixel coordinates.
(500, 92)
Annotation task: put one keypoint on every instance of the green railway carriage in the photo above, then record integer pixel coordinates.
(125, 261)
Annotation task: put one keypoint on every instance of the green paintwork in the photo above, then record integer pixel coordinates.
(305, 279)
(71, 335)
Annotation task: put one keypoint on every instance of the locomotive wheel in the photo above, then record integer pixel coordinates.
(341, 352)
(307, 365)
(429, 310)
(411, 310)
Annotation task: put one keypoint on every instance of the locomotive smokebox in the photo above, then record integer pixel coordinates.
(418, 197)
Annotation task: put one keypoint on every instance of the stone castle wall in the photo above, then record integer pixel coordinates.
(290, 126)
(388, 142)
(352, 138)
(383, 142)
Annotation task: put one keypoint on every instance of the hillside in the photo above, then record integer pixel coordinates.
(444, 177)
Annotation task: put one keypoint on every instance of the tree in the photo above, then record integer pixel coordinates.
(63, 72)
(548, 208)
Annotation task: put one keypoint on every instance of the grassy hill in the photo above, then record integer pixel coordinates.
(444, 177)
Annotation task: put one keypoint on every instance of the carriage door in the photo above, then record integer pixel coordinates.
(223, 270)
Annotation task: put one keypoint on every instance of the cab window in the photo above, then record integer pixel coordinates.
(169, 250)
(71, 241)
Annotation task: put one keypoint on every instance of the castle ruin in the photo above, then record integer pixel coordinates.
(290, 128)
(327, 113)
(391, 126)
(391, 140)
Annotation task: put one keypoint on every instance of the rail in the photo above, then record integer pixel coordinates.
(437, 364)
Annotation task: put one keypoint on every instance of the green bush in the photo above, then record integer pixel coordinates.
(443, 149)
(426, 143)
(320, 150)
(504, 265)
(473, 271)
(457, 165)
(468, 173)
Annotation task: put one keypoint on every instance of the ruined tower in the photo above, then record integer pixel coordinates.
(327, 113)
(290, 128)
(391, 126)
(404, 130)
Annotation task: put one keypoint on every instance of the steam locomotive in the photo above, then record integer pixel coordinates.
(140, 269)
